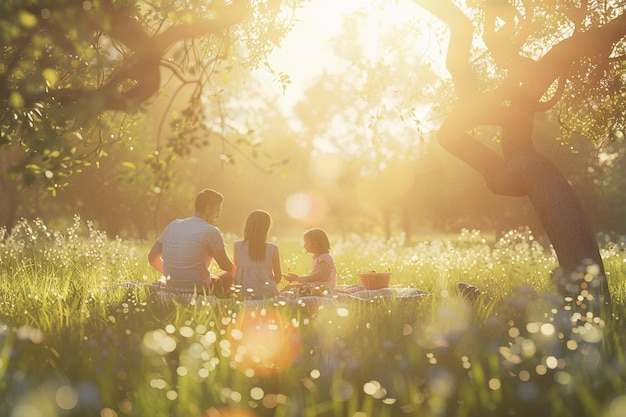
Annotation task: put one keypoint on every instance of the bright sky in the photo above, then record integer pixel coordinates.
(303, 52)
(306, 52)
(302, 49)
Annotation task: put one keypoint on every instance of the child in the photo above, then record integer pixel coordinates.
(324, 274)
(257, 261)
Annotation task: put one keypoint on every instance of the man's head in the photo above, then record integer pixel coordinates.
(209, 204)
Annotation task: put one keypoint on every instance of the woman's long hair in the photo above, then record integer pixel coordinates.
(255, 233)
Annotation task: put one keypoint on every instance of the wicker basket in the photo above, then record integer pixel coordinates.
(374, 280)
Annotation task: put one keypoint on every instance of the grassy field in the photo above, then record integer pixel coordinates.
(75, 341)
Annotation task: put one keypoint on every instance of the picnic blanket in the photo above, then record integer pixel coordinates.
(342, 295)
(361, 293)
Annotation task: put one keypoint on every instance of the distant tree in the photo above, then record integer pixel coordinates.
(74, 75)
(537, 55)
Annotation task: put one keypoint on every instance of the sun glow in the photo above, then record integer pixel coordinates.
(308, 50)
(394, 16)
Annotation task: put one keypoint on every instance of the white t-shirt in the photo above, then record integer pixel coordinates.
(256, 278)
(188, 247)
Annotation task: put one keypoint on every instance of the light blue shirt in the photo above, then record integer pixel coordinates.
(188, 247)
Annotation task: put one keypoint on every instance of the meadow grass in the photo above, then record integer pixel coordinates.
(75, 340)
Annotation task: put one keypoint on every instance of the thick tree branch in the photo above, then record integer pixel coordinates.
(597, 42)
(142, 66)
(458, 57)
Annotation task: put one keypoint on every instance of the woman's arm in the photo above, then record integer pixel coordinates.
(276, 266)
(235, 245)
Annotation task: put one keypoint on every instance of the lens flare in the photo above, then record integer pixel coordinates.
(309, 207)
(264, 341)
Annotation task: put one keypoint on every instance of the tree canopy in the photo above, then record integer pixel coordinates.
(74, 74)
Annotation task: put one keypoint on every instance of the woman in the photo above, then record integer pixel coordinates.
(257, 261)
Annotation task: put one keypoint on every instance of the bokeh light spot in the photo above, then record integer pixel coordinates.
(547, 329)
(494, 384)
(108, 412)
(66, 397)
(263, 341)
(257, 393)
(617, 407)
(228, 412)
(308, 208)
(342, 390)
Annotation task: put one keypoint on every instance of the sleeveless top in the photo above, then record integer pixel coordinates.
(255, 278)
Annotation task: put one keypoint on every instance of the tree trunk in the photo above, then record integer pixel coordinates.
(565, 223)
(520, 170)
(528, 173)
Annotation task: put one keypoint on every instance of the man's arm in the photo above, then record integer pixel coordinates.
(154, 256)
(222, 259)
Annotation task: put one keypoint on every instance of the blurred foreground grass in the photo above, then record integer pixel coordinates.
(68, 347)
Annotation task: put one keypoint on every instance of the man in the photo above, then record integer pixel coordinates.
(186, 248)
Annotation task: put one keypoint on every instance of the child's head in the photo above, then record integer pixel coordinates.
(316, 241)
